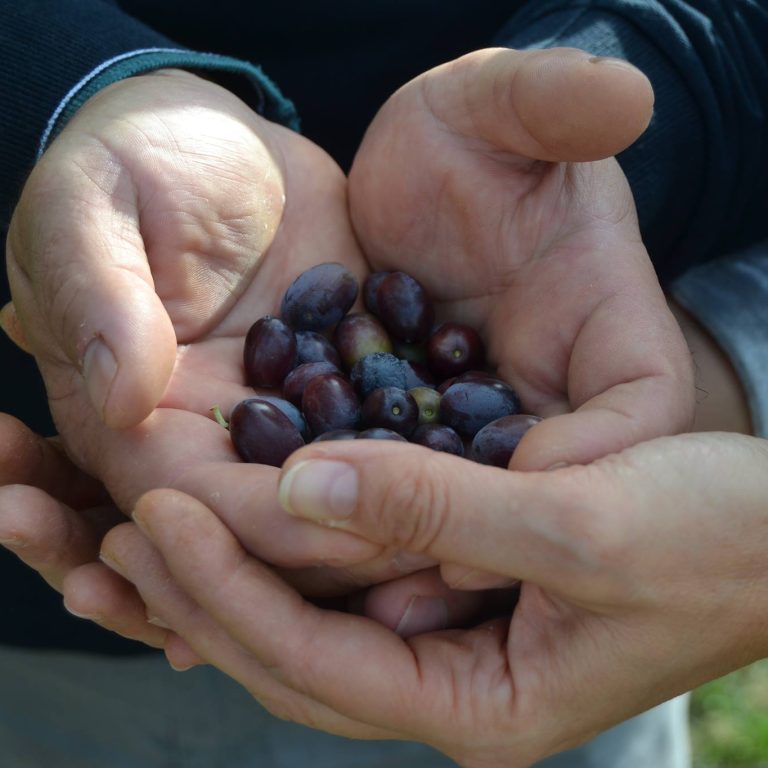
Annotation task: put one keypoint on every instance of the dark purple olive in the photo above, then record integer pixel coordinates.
(298, 378)
(370, 286)
(453, 349)
(377, 370)
(289, 409)
(337, 434)
(380, 433)
(417, 375)
(496, 442)
(262, 434)
(330, 403)
(468, 406)
(468, 376)
(438, 437)
(269, 353)
(391, 408)
(404, 307)
(319, 297)
(428, 401)
(358, 335)
(313, 347)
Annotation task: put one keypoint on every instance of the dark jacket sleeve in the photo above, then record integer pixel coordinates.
(54, 54)
(699, 172)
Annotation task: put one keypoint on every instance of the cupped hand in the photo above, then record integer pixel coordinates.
(643, 576)
(491, 179)
(165, 219)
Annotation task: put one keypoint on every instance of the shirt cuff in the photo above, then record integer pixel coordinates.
(729, 297)
(267, 101)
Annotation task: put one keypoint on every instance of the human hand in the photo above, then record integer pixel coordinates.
(163, 221)
(53, 517)
(166, 210)
(643, 576)
(490, 179)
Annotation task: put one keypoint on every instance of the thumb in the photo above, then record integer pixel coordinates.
(11, 326)
(558, 104)
(528, 526)
(85, 296)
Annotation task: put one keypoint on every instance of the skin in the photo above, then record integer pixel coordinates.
(536, 211)
(503, 160)
(643, 575)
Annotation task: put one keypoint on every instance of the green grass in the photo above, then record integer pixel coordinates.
(729, 720)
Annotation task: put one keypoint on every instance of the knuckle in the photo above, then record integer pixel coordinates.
(600, 534)
(414, 506)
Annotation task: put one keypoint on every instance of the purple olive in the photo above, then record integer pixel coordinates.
(380, 433)
(269, 353)
(453, 349)
(438, 437)
(391, 408)
(337, 434)
(298, 378)
(330, 403)
(370, 286)
(404, 307)
(468, 406)
(262, 434)
(313, 347)
(495, 443)
(319, 298)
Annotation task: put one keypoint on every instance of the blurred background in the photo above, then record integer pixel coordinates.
(729, 720)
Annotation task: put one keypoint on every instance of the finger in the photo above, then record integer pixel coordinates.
(414, 687)
(180, 654)
(528, 526)
(559, 104)
(82, 285)
(95, 592)
(460, 577)
(622, 393)
(9, 322)
(422, 602)
(28, 459)
(330, 581)
(131, 553)
(224, 575)
(165, 451)
(45, 534)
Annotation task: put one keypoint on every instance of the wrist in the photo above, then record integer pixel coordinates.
(721, 400)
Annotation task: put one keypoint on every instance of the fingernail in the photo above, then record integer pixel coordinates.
(141, 523)
(90, 616)
(182, 668)
(408, 562)
(157, 622)
(478, 580)
(612, 61)
(9, 322)
(559, 465)
(99, 369)
(111, 562)
(423, 614)
(13, 543)
(324, 491)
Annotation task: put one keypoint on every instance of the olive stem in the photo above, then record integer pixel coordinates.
(217, 414)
